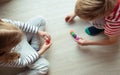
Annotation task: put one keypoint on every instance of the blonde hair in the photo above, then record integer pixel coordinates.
(93, 9)
(10, 36)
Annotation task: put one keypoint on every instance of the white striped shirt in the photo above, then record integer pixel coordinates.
(23, 26)
(28, 54)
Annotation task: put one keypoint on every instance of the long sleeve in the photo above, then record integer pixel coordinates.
(23, 26)
(21, 62)
(27, 55)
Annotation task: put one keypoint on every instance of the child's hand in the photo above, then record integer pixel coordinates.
(44, 48)
(69, 18)
(45, 35)
(46, 45)
(82, 42)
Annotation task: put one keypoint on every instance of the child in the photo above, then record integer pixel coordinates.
(15, 51)
(105, 16)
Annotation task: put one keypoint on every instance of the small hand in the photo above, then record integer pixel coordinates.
(82, 42)
(70, 18)
(44, 48)
(45, 35)
(46, 45)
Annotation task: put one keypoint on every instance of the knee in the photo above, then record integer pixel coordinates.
(44, 68)
(41, 20)
(41, 66)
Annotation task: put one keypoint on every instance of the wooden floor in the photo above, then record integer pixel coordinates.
(65, 56)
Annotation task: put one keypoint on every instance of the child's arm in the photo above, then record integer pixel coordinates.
(108, 41)
(45, 35)
(23, 26)
(26, 58)
(44, 48)
(27, 28)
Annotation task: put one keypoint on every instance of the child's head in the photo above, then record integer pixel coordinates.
(10, 36)
(93, 9)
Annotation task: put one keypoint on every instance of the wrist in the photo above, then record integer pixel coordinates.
(41, 51)
(40, 33)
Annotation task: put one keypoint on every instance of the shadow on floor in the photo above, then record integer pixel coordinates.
(105, 53)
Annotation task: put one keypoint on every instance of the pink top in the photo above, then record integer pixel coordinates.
(112, 25)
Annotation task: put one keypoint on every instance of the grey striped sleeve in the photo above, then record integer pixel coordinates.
(21, 62)
(23, 26)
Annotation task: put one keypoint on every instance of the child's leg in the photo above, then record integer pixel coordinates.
(40, 67)
(96, 28)
(93, 30)
(33, 38)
